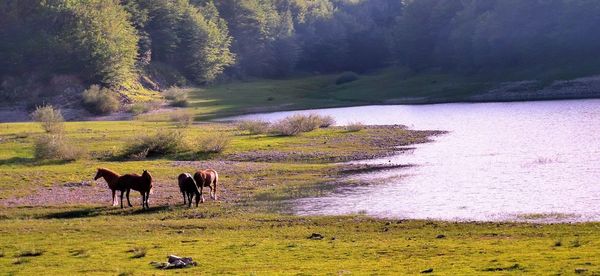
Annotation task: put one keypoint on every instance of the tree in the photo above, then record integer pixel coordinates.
(104, 40)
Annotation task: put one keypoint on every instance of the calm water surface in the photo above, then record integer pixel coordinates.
(532, 161)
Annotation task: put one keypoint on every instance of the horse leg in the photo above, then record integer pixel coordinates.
(148, 199)
(114, 202)
(201, 193)
(197, 198)
(210, 192)
(143, 200)
(190, 196)
(128, 202)
(184, 197)
(121, 199)
(215, 190)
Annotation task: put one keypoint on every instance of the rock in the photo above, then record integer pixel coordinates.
(175, 262)
(580, 270)
(316, 236)
(429, 270)
(440, 236)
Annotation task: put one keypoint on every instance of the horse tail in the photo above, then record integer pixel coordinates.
(215, 183)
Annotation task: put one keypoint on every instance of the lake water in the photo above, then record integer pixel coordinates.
(522, 161)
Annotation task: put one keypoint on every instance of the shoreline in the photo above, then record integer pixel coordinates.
(245, 228)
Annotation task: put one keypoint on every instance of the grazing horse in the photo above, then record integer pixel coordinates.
(141, 183)
(188, 188)
(111, 178)
(204, 178)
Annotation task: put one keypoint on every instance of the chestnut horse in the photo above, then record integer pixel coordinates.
(111, 178)
(188, 188)
(204, 178)
(141, 183)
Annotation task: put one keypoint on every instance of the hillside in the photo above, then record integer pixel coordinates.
(128, 51)
(391, 86)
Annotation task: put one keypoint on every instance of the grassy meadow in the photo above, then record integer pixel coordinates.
(55, 218)
(304, 92)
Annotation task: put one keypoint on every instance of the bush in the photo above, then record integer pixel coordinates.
(326, 121)
(56, 147)
(346, 77)
(254, 126)
(177, 96)
(162, 143)
(214, 143)
(298, 123)
(51, 118)
(139, 108)
(355, 126)
(182, 118)
(100, 100)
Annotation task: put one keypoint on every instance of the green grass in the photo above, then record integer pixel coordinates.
(387, 86)
(250, 232)
(225, 240)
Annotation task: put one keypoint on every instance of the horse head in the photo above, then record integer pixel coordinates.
(98, 174)
(147, 175)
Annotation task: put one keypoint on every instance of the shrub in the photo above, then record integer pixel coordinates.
(298, 123)
(56, 147)
(100, 100)
(162, 143)
(346, 77)
(355, 126)
(326, 121)
(182, 118)
(254, 126)
(51, 118)
(139, 108)
(214, 143)
(177, 96)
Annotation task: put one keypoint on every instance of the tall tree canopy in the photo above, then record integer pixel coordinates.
(112, 41)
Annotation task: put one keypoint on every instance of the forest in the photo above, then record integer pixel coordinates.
(125, 44)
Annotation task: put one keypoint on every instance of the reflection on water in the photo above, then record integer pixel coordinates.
(500, 161)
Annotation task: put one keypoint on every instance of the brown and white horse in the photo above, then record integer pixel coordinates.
(206, 178)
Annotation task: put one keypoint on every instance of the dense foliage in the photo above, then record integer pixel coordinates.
(110, 42)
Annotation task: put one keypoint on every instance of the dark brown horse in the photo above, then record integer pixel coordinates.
(141, 183)
(111, 178)
(188, 188)
(204, 178)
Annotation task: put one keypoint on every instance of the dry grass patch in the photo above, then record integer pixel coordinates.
(355, 126)
(214, 143)
(298, 123)
(56, 147)
(254, 126)
(163, 142)
(182, 118)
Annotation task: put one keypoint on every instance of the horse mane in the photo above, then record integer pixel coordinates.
(108, 171)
